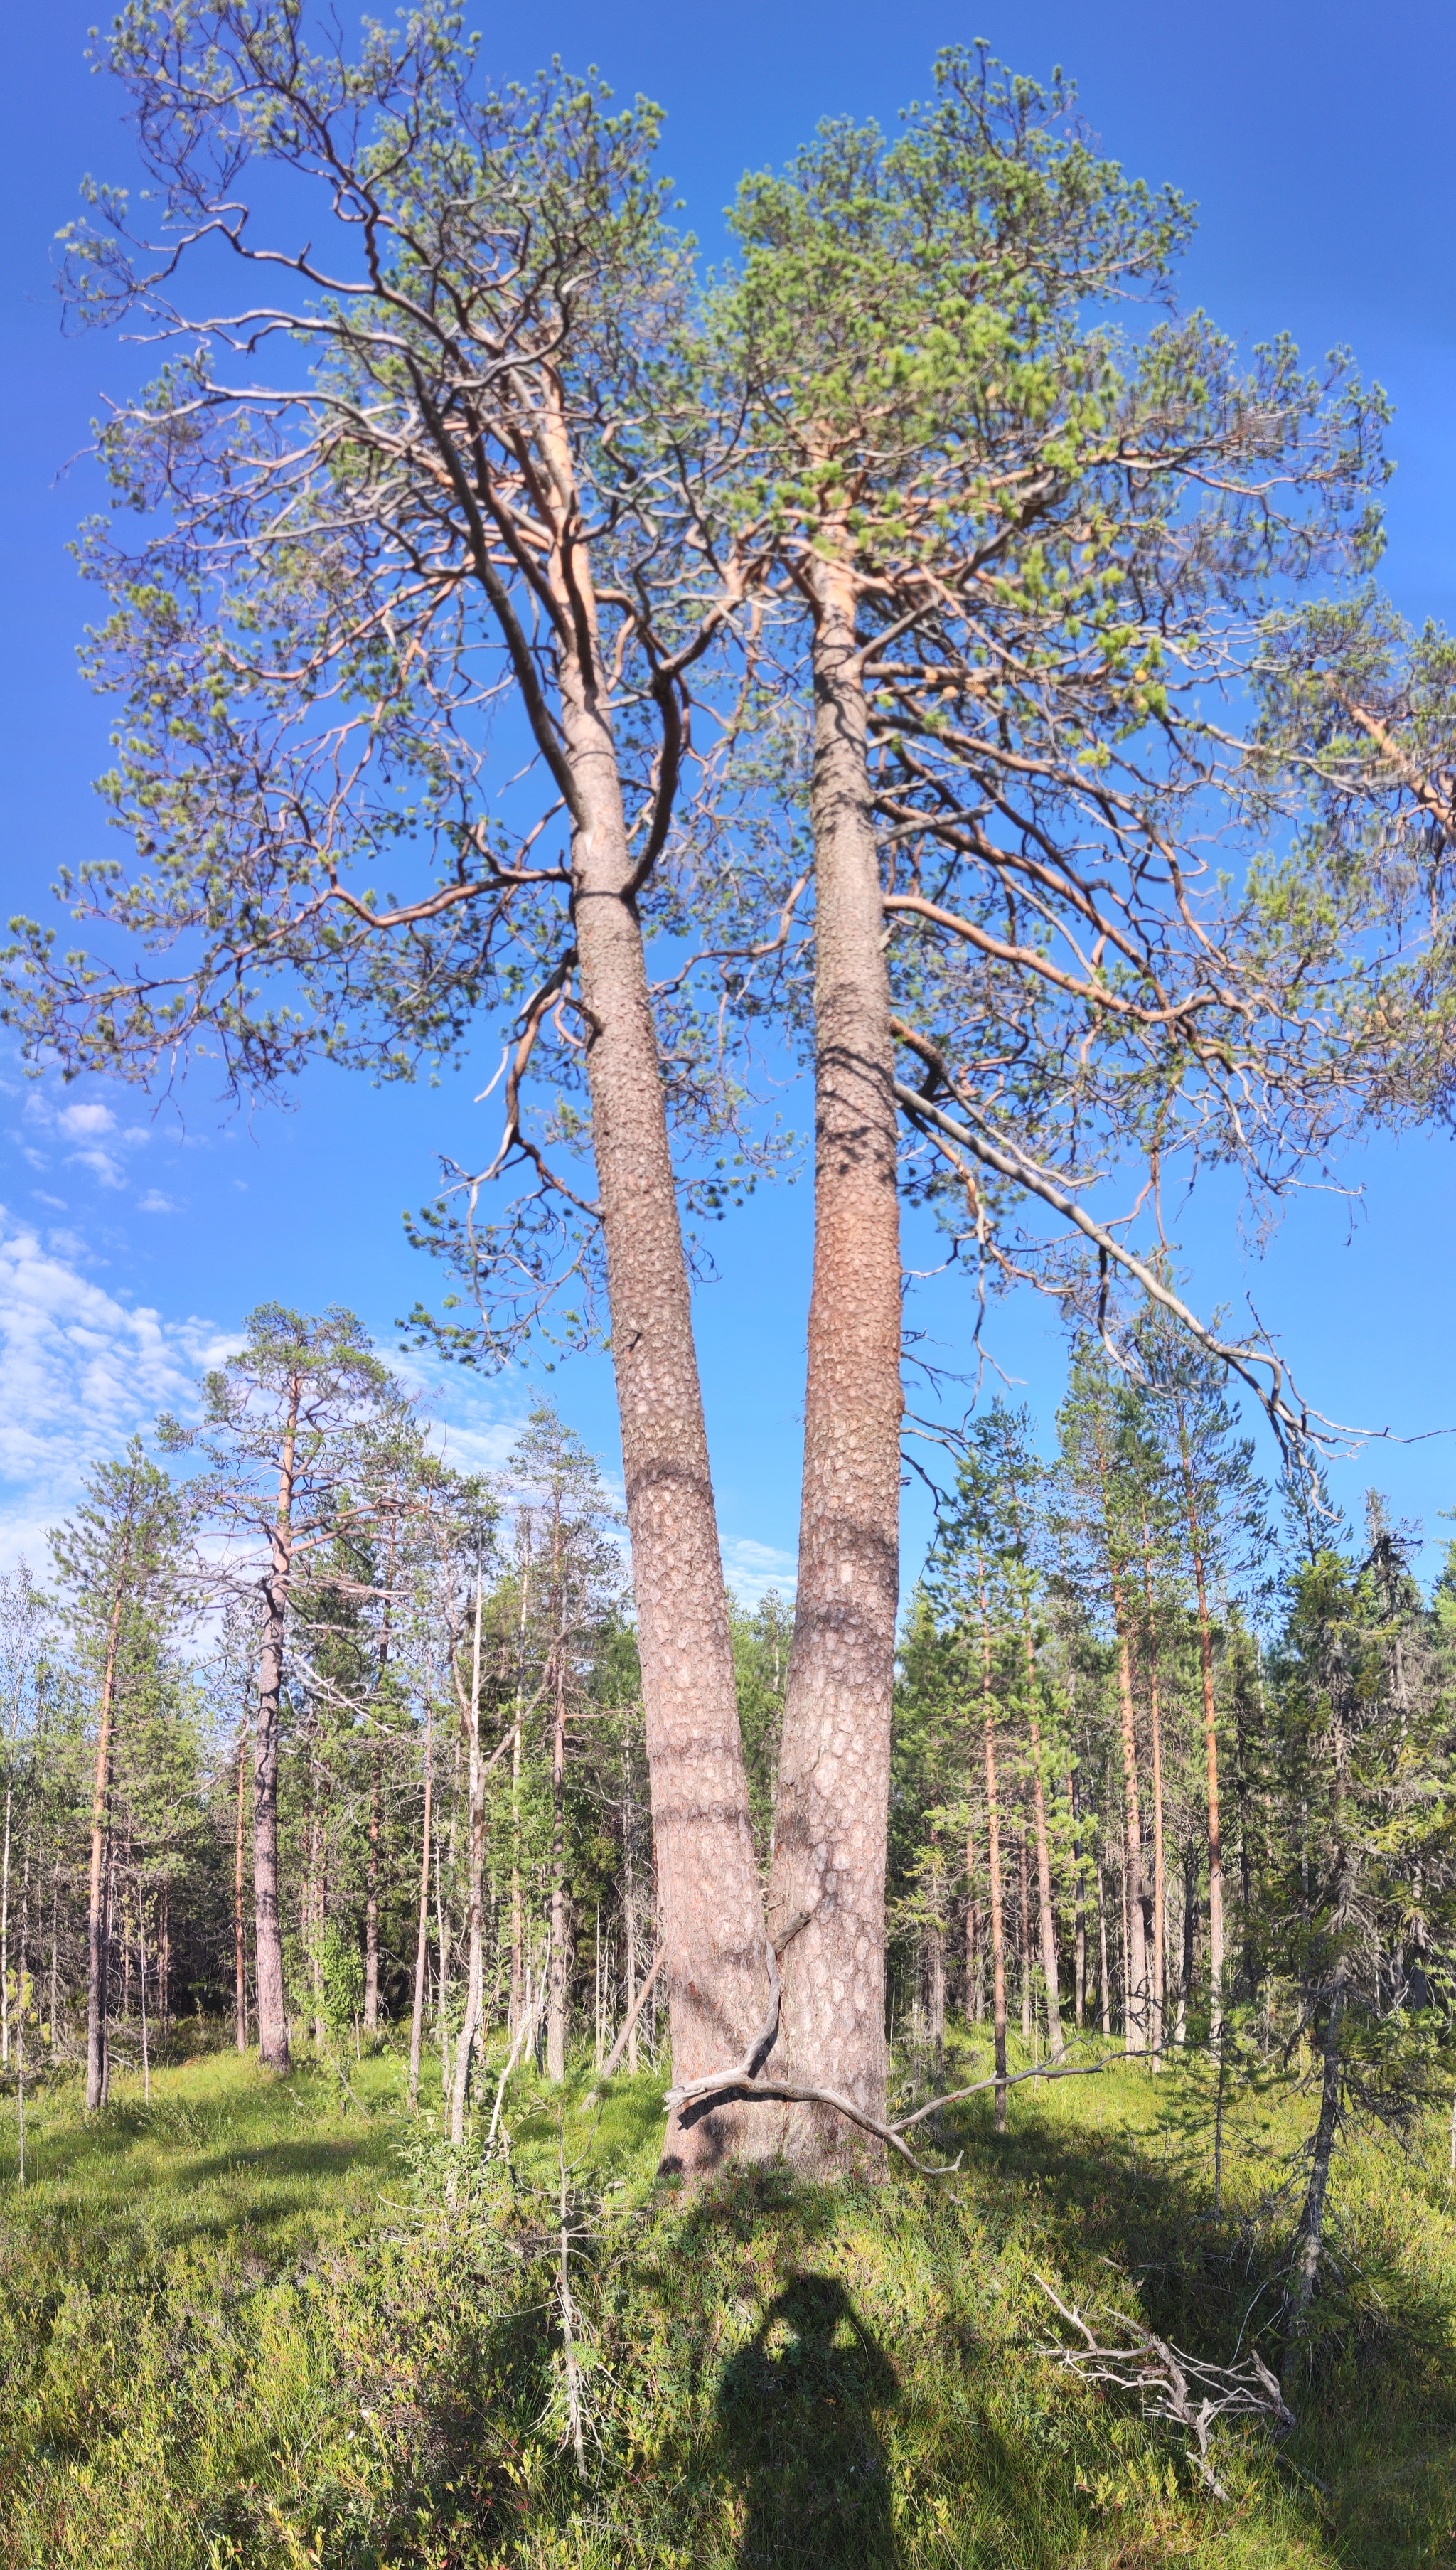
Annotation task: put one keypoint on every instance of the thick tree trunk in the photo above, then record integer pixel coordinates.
(96, 1943)
(712, 1905)
(834, 1771)
(422, 1941)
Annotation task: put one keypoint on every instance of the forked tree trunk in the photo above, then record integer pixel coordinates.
(833, 1772)
(712, 1905)
(96, 1939)
(268, 1926)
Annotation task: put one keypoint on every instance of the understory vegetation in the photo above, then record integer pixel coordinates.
(242, 2325)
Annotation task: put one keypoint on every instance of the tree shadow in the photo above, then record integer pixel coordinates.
(797, 2414)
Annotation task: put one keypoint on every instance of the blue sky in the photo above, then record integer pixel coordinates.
(1316, 141)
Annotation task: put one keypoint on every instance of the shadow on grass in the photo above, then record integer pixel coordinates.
(798, 2417)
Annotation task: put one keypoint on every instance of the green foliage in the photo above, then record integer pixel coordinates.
(234, 2331)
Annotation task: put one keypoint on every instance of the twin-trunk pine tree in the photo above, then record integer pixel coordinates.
(507, 464)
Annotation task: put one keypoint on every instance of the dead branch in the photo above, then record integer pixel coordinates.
(1175, 2386)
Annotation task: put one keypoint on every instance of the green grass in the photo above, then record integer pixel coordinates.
(241, 2327)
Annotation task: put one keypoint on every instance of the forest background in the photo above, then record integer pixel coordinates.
(133, 1247)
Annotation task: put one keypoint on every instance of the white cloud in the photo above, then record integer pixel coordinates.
(79, 1372)
(86, 1117)
(155, 1201)
(752, 1569)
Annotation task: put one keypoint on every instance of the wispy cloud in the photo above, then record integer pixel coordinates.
(752, 1569)
(79, 1370)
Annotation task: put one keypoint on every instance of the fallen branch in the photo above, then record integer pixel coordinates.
(1176, 2387)
(739, 2086)
(627, 2023)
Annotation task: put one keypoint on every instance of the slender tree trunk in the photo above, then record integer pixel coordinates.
(5, 1932)
(556, 1997)
(935, 1969)
(474, 1879)
(1309, 2238)
(1023, 1928)
(834, 1771)
(993, 1858)
(1190, 1939)
(974, 1979)
(1197, 1548)
(1158, 1974)
(267, 1924)
(712, 1905)
(240, 1941)
(164, 1960)
(518, 1909)
(376, 1800)
(1079, 1912)
(1136, 1992)
(96, 1949)
(1055, 2041)
(422, 1941)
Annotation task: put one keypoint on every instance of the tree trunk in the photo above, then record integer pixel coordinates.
(1211, 1746)
(1309, 2238)
(240, 1949)
(96, 1949)
(975, 1978)
(1025, 1930)
(1055, 2041)
(164, 1960)
(4, 1933)
(833, 1772)
(421, 1942)
(1190, 1941)
(712, 1905)
(1159, 1958)
(376, 1798)
(557, 1995)
(994, 1856)
(935, 1973)
(474, 1883)
(1079, 1916)
(1135, 1989)
(268, 1926)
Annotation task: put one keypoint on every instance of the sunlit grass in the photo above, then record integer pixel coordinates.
(240, 2325)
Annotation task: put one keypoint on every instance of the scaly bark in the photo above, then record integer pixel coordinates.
(833, 1774)
(712, 1905)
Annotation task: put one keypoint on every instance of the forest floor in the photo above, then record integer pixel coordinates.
(242, 2326)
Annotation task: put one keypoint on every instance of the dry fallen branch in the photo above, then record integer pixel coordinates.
(740, 2084)
(1180, 2388)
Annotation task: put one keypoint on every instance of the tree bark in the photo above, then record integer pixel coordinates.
(268, 1927)
(1211, 1759)
(240, 1952)
(422, 1941)
(96, 1943)
(376, 1797)
(557, 1993)
(993, 1858)
(1157, 1973)
(712, 1905)
(1309, 2239)
(475, 1883)
(1135, 1995)
(833, 1774)
(1055, 2041)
